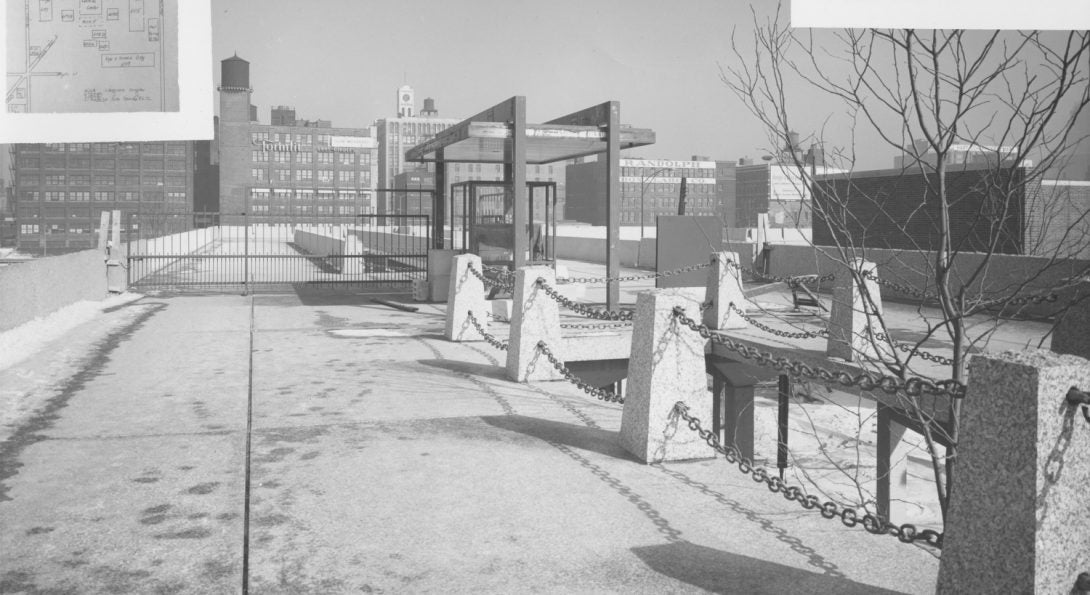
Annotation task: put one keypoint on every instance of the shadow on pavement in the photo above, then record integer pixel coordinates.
(576, 436)
(486, 370)
(722, 572)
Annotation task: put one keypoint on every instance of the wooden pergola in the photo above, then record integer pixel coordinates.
(500, 134)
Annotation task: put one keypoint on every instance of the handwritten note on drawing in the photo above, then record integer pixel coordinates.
(74, 56)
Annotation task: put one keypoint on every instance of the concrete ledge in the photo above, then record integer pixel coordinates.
(598, 346)
(322, 244)
(39, 287)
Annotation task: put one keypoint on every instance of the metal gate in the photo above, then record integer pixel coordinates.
(225, 250)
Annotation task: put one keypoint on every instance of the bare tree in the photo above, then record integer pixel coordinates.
(1010, 98)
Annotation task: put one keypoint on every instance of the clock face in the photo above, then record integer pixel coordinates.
(405, 97)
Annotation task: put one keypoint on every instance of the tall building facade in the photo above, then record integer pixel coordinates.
(60, 190)
(776, 189)
(289, 167)
(652, 187)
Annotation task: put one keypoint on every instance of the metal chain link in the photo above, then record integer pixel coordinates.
(898, 287)
(786, 334)
(695, 267)
(574, 306)
(875, 524)
(1022, 301)
(912, 387)
(789, 279)
(497, 318)
(491, 282)
(492, 340)
(602, 395)
(598, 326)
(905, 347)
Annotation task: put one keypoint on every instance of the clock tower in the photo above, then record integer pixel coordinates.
(405, 102)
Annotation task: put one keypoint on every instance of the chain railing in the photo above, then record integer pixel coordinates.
(875, 524)
(912, 387)
(578, 308)
(600, 394)
(678, 271)
(596, 327)
(898, 287)
(491, 282)
(492, 340)
(789, 279)
(785, 334)
(907, 348)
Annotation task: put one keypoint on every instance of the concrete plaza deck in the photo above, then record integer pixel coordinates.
(382, 458)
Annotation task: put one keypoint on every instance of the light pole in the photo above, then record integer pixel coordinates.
(645, 180)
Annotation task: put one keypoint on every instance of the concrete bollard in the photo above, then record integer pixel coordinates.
(1018, 520)
(854, 319)
(536, 317)
(1072, 333)
(724, 289)
(666, 366)
(464, 295)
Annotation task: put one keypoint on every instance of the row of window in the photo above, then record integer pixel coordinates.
(146, 179)
(258, 195)
(302, 209)
(322, 176)
(649, 216)
(99, 196)
(679, 172)
(262, 156)
(300, 138)
(49, 162)
(668, 201)
(148, 148)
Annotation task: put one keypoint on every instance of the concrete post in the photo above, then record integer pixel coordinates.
(536, 317)
(892, 464)
(724, 288)
(666, 366)
(1018, 519)
(465, 295)
(440, 266)
(854, 319)
(1072, 333)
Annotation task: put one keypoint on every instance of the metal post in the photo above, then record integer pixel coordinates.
(246, 254)
(613, 204)
(438, 200)
(781, 429)
(517, 180)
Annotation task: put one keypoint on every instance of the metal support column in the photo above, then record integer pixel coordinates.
(613, 205)
(517, 181)
(782, 426)
(439, 204)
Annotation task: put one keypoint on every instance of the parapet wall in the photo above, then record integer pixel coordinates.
(1005, 272)
(39, 287)
(633, 252)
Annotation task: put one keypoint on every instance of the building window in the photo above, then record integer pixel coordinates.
(324, 140)
(304, 195)
(30, 195)
(259, 156)
(325, 209)
(104, 163)
(79, 180)
(151, 196)
(257, 137)
(326, 158)
(304, 175)
(54, 196)
(279, 137)
(31, 162)
(346, 158)
(178, 197)
(128, 149)
(365, 159)
(257, 174)
(54, 162)
(345, 177)
(346, 196)
(53, 147)
(304, 157)
(153, 148)
(79, 196)
(129, 180)
(152, 179)
(128, 196)
(325, 176)
(54, 180)
(104, 148)
(283, 175)
(175, 180)
(104, 195)
(79, 162)
(325, 195)
(304, 139)
(175, 148)
(365, 178)
(176, 164)
(304, 209)
(259, 194)
(345, 210)
(259, 209)
(28, 229)
(129, 163)
(281, 156)
(77, 147)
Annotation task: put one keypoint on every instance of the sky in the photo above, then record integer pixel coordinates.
(343, 60)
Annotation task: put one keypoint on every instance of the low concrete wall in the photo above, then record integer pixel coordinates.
(594, 250)
(42, 286)
(1004, 273)
(328, 246)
